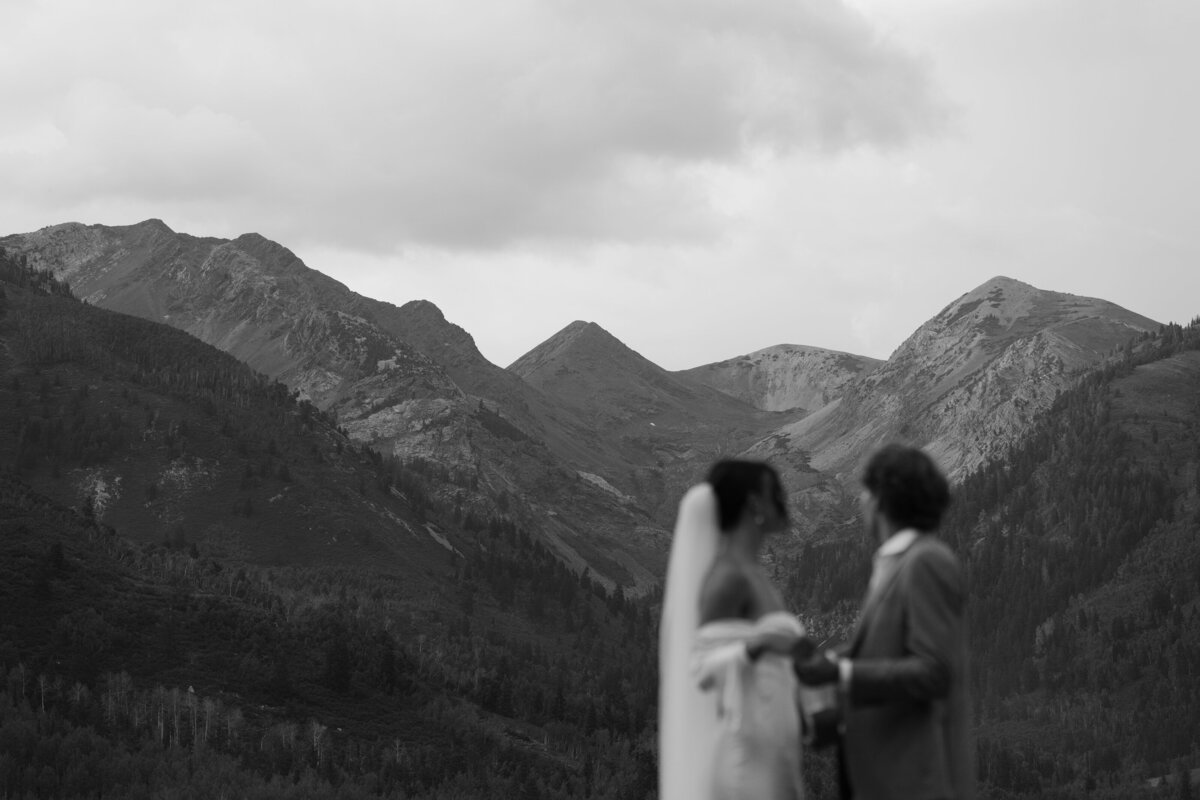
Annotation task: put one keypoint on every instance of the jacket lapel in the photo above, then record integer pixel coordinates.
(883, 578)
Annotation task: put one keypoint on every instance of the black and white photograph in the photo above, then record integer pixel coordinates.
(629, 400)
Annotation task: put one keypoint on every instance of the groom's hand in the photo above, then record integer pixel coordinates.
(803, 649)
(817, 670)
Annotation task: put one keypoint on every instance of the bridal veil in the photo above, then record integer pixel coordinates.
(687, 721)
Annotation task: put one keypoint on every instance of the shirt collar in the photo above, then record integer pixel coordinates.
(897, 543)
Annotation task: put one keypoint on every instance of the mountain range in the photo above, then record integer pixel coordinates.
(582, 421)
(230, 471)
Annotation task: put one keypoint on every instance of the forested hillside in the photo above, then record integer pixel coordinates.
(169, 439)
(135, 670)
(1084, 567)
(1085, 570)
(180, 662)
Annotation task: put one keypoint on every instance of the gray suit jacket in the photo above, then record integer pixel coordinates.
(908, 732)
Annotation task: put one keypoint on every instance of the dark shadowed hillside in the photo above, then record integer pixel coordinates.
(131, 670)
(174, 441)
(146, 645)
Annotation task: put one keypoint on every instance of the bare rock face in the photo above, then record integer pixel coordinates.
(970, 382)
(422, 324)
(249, 297)
(786, 377)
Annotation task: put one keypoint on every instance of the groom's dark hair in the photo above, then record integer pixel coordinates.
(909, 487)
(735, 480)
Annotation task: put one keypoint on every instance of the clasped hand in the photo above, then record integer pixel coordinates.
(811, 667)
(780, 642)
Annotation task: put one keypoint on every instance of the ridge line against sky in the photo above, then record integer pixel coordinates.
(703, 179)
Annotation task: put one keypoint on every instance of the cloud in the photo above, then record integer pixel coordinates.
(453, 124)
(103, 143)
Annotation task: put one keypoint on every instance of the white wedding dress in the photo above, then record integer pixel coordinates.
(729, 729)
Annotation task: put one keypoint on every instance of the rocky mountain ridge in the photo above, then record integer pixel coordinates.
(968, 383)
(582, 432)
(786, 377)
(403, 380)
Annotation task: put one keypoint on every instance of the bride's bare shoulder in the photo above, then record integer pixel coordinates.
(727, 593)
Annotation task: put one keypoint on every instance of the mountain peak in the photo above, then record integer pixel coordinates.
(155, 224)
(998, 287)
(640, 406)
(1002, 281)
(57, 228)
(423, 309)
(583, 331)
(271, 254)
(999, 303)
(579, 327)
(1009, 309)
(252, 241)
(970, 381)
(578, 342)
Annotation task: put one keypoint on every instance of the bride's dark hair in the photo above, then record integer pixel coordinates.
(734, 481)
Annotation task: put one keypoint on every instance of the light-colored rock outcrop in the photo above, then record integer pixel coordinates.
(970, 382)
(786, 377)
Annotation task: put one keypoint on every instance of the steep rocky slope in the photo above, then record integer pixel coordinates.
(422, 324)
(249, 297)
(786, 377)
(968, 383)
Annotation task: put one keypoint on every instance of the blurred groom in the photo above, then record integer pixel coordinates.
(902, 678)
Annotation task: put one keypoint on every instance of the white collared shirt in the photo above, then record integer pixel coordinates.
(897, 543)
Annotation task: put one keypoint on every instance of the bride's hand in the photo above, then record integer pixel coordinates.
(771, 641)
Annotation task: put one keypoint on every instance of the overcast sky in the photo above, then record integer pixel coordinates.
(702, 178)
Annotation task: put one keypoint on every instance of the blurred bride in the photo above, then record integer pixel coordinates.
(729, 728)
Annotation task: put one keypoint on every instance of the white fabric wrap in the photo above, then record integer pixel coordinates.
(719, 661)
